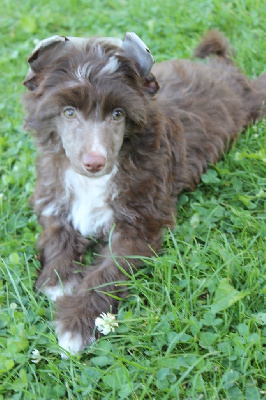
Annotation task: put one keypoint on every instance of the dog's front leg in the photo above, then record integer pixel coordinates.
(61, 249)
(76, 314)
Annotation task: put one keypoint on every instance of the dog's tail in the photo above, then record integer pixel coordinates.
(253, 93)
(214, 43)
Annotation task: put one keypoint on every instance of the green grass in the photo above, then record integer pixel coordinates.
(192, 326)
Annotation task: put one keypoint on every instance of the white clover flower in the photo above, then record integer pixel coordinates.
(13, 306)
(106, 323)
(36, 357)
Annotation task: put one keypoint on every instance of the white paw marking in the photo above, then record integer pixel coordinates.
(53, 292)
(69, 341)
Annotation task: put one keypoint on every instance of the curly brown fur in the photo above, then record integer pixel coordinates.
(214, 43)
(147, 139)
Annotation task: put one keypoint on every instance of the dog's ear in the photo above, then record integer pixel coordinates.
(43, 55)
(135, 49)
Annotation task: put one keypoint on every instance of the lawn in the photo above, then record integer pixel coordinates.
(193, 323)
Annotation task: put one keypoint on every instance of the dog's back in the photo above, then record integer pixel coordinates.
(213, 100)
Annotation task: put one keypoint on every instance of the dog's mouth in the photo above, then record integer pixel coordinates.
(95, 172)
(105, 173)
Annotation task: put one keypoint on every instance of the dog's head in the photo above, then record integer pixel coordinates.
(91, 93)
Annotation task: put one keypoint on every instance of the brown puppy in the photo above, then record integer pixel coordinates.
(118, 141)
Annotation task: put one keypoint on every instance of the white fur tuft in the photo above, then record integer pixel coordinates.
(53, 292)
(83, 72)
(69, 341)
(90, 213)
(51, 209)
(111, 66)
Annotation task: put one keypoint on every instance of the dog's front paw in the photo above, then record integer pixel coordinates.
(72, 342)
(75, 320)
(54, 292)
(54, 286)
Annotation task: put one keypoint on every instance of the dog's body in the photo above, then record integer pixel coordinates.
(115, 152)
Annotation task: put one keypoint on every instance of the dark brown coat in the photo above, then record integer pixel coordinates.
(154, 143)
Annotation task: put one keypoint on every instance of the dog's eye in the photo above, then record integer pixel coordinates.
(118, 114)
(70, 113)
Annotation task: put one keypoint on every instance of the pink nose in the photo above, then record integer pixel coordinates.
(93, 162)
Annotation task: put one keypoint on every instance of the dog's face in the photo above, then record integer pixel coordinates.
(91, 97)
(92, 143)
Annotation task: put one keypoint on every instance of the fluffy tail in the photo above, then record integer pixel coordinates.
(253, 93)
(214, 43)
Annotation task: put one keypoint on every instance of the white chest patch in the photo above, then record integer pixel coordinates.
(90, 214)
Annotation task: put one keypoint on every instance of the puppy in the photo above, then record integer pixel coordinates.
(118, 139)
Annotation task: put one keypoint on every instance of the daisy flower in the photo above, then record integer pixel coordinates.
(106, 323)
(36, 357)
